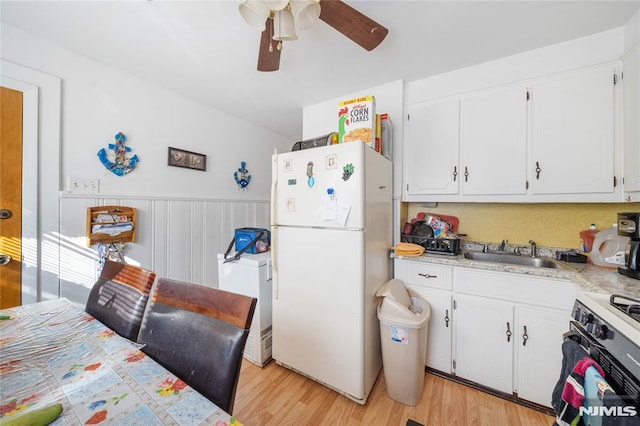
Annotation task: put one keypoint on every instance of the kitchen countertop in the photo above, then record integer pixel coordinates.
(589, 277)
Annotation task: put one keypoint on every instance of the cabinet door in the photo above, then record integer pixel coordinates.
(484, 349)
(631, 133)
(572, 133)
(432, 148)
(493, 142)
(440, 326)
(538, 353)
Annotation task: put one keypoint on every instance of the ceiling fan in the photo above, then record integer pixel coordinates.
(277, 19)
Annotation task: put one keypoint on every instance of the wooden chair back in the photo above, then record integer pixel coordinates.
(119, 297)
(199, 334)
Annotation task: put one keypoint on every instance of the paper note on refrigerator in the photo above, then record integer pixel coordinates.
(342, 215)
(329, 210)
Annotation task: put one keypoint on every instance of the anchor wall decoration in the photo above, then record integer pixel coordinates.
(122, 165)
(242, 176)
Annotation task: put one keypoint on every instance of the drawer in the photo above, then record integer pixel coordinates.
(429, 275)
(539, 291)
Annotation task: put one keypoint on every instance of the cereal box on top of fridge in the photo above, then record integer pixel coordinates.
(356, 120)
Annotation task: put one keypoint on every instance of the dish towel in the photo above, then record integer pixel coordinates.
(408, 249)
(572, 352)
(594, 388)
(573, 393)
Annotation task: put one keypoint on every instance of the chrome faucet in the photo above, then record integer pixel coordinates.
(503, 244)
(534, 249)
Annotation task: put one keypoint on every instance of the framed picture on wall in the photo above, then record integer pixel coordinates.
(190, 160)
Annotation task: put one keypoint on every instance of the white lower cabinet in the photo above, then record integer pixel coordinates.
(484, 341)
(538, 357)
(440, 325)
(508, 330)
(500, 330)
(433, 282)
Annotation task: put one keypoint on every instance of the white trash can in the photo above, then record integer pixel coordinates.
(404, 317)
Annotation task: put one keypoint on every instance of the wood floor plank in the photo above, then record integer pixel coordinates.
(274, 395)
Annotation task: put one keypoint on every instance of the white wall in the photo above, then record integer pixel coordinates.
(594, 49)
(632, 32)
(99, 101)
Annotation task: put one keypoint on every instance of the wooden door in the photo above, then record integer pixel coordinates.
(10, 197)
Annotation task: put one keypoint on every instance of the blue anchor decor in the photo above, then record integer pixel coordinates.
(122, 165)
(242, 176)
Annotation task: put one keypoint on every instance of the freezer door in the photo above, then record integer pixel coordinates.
(320, 187)
(318, 306)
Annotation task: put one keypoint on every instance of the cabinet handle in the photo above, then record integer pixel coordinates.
(466, 173)
(525, 336)
(538, 170)
(455, 173)
(428, 275)
(508, 332)
(446, 318)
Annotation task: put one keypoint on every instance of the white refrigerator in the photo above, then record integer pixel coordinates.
(331, 232)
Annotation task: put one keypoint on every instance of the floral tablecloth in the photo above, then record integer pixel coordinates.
(54, 352)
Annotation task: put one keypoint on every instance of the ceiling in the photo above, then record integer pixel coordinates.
(204, 49)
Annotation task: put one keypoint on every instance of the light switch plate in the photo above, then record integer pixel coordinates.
(83, 185)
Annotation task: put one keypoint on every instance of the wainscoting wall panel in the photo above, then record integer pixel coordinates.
(177, 238)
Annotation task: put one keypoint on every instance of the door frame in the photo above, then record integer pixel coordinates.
(41, 180)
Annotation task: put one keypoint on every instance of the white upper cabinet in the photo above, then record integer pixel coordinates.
(572, 133)
(493, 142)
(433, 133)
(631, 132)
(556, 138)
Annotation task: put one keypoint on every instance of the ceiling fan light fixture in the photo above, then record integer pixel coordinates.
(283, 26)
(276, 5)
(305, 12)
(255, 13)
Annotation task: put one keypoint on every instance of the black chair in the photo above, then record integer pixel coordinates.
(119, 297)
(199, 334)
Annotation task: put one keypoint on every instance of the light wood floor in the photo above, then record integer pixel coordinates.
(274, 395)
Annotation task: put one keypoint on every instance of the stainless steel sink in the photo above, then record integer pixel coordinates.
(513, 259)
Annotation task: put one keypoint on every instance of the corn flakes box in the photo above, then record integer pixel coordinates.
(357, 120)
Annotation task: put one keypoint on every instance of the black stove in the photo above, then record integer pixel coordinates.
(608, 327)
(627, 305)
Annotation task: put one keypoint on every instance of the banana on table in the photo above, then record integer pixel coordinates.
(39, 417)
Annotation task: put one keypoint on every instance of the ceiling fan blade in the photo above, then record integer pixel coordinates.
(268, 60)
(364, 31)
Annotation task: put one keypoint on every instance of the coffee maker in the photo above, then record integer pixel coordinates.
(629, 226)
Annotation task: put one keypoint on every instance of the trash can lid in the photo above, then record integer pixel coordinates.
(396, 290)
(401, 306)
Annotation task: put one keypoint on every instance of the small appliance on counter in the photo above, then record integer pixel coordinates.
(324, 140)
(629, 226)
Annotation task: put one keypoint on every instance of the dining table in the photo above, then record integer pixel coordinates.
(54, 352)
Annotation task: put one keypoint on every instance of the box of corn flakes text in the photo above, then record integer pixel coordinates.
(357, 120)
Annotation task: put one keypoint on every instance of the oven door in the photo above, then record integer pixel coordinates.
(621, 380)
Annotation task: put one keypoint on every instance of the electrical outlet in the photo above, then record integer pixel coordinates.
(83, 185)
